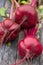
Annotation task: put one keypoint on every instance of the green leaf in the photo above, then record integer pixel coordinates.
(24, 2)
(40, 9)
(19, 1)
(10, 0)
(2, 11)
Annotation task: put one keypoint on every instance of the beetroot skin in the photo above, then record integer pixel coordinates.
(31, 44)
(28, 11)
(9, 26)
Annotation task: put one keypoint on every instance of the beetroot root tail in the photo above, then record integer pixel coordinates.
(20, 61)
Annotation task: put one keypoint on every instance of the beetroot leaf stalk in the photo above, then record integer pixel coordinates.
(34, 2)
(12, 9)
(17, 4)
(31, 31)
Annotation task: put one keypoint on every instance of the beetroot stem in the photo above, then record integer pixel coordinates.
(34, 31)
(34, 2)
(25, 33)
(12, 8)
(17, 4)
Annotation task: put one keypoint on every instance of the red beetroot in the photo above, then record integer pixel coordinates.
(6, 28)
(9, 25)
(31, 44)
(30, 12)
(29, 48)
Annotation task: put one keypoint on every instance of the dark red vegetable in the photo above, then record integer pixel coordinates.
(29, 48)
(6, 28)
(30, 12)
(31, 44)
(10, 26)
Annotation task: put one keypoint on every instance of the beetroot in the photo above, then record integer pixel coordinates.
(6, 28)
(9, 25)
(31, 44)
(29, 48)
(30, 12)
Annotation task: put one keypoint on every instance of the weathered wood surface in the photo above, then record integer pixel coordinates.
(9, 55)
